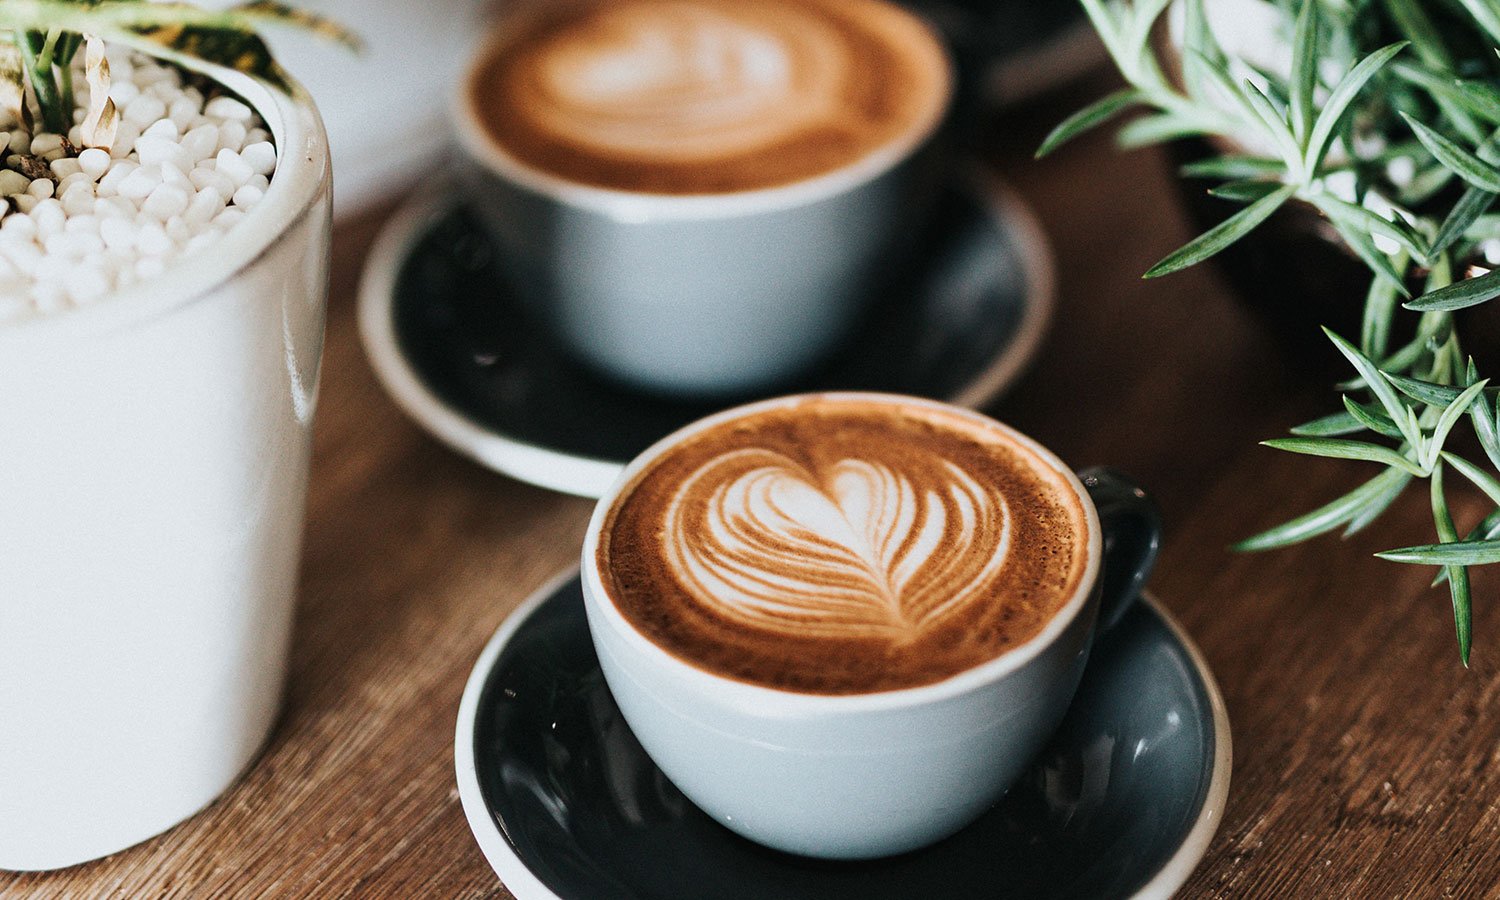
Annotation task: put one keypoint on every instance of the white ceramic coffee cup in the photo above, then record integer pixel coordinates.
(864, 775)
(700, 294)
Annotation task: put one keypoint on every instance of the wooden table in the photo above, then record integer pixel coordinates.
(1367, 760)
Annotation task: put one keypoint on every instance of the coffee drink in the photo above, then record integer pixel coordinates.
(844, 544)
(709, 96)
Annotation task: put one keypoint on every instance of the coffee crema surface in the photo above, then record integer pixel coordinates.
(837, 546)
(709, 96)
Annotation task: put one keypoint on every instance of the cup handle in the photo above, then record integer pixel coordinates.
(1132, 535)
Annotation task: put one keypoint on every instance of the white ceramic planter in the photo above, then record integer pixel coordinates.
(386, 107)
(153, 466)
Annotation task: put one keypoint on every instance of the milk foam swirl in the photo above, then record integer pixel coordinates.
(863, 549)
(688, 80)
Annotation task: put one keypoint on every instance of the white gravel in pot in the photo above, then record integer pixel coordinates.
(182, 170)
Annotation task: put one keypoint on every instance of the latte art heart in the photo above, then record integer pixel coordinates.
(859, 550)
(709, 96)
(688, 81)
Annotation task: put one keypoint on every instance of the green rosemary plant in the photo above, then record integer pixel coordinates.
(1386, 119)
(39, 40)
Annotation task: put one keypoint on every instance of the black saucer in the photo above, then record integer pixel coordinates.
(471, 364)
(565, 803)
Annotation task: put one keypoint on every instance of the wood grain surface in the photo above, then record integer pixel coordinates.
(1367, 759)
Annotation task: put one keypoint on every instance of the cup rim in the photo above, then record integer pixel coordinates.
(645, 206)
(299, 182)
(597, 598)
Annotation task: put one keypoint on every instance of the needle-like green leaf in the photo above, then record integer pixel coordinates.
(1332, 425)
(1359, 218)
(1457, 160)
(1224, 234)
(1457, 553)
(1458, 576)
(1451, 414)
(1373, 419)
(1328, 517)
(1304, 79)
(1459, 295)
(1376, 382)
(1474, 203)
(1091, 116)
(1339, 448)
(1340, 98)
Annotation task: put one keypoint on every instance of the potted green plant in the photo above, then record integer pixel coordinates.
(163, 265)
(1380, 120)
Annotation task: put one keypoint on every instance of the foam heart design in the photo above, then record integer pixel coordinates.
(688, 80)
(863, 549)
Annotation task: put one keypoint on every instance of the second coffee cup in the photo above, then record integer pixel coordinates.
(843, 624)
(700, 195)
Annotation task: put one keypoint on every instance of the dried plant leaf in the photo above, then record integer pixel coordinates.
(13, 84)
(102, 119)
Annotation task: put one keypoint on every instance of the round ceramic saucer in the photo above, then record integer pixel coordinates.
(567, 806)
(470, 364)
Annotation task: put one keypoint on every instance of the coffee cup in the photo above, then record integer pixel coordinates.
(698, 196)
(842, 624)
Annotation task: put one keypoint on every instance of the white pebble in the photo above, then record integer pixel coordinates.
(201, 142)
(24, 202)
(204, 206)
(117, 233)
(162, 128)
(229, 218)
(76, 180)
(208, 177)
(79, 202)
(44, 143)
(24, 255)
(232, 135)
(14, 182)
(139, 184)
(82, 224)
(122, 91)
(151, 239)
(247, 196)
(171, 174)
(65, 166)
(42, 188)
(144, 110)
(166, 201)
(115, 207)
(260, 157)
(182, 111)
(227, 108)
(178, 230)
(118, 170)
(94, 162)
(49, 217)
(17, 227)
(154, 150)
(125, 137)
(231, 166)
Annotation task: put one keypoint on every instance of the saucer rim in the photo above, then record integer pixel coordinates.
(586, 476)
(518, 878)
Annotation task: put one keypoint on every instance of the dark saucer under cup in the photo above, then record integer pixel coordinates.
(566, 805)
(470, 364)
